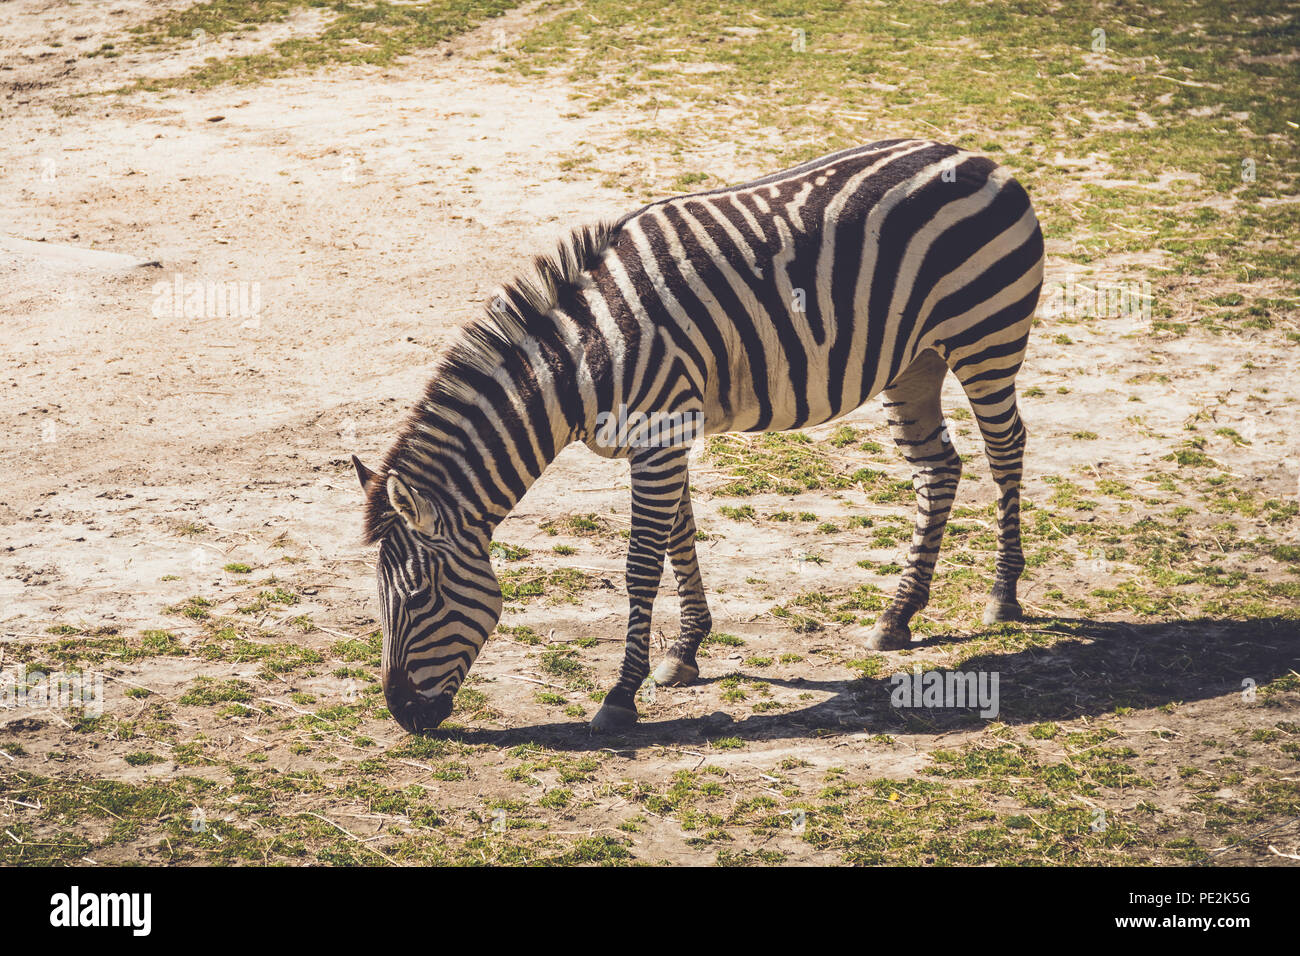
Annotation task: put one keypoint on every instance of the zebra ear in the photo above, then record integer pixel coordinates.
(418, 513)
(364, 474)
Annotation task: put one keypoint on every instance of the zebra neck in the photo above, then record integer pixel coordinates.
(487, 445)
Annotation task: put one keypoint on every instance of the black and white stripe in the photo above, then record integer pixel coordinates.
(778, 304)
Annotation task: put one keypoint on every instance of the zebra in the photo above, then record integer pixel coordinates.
(778, 304)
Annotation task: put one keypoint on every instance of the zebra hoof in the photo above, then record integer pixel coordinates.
(888, 637)
(674, 673)
(612, 718)
(995, 612)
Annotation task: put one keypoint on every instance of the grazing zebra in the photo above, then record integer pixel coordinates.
(782, 303)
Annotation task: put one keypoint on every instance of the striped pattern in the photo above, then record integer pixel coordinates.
(779, 304)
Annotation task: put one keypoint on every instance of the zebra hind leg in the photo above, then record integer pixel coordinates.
(995, 408)
(679, 666)
(915, 413)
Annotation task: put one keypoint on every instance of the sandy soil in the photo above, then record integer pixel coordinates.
(375, 210)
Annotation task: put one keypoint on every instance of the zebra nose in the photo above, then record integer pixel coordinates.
(411, 709)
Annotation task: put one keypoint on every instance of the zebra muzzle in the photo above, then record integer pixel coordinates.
(411, 709)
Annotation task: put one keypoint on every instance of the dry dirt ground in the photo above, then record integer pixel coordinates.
(179, 515)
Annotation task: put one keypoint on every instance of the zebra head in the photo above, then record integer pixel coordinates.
(438, 597)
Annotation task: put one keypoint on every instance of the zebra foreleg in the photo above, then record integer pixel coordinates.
(658, 480)
(916, 422)
(679, 666)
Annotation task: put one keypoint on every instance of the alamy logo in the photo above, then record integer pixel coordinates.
(74, 908)
(181, 299)
(946, 689)
(1075, 299)
(56, 690)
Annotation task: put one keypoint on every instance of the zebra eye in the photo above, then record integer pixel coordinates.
(420, 572)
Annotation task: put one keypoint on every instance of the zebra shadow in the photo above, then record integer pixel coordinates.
(1091, 668)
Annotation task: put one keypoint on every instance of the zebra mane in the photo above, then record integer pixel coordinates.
(517, 310)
